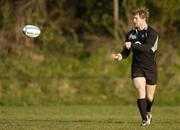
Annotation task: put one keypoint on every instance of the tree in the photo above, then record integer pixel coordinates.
(116, 18)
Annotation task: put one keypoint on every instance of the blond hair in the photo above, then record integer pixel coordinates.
(143, 13)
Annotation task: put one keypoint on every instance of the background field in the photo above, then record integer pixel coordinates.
(86, 117)
(69, 63)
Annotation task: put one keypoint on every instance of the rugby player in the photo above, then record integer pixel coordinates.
(142, 41)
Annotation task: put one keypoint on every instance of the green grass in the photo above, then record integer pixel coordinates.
(86, 117)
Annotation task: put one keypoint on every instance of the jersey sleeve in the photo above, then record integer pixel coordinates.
(150, 45)
(125, 52)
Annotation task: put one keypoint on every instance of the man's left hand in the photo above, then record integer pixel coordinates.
(128, 45)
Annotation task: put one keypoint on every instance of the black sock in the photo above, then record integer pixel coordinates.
(142, 105)
(149, 105)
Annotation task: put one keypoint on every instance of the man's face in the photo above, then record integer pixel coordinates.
(137, 20)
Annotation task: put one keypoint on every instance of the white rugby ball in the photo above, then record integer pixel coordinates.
(31, 31)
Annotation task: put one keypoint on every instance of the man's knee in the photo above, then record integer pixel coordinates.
(150, 91)
(139, 84)
(141, 92)
(150, 97)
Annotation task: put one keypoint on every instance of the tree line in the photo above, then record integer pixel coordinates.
(77, 18)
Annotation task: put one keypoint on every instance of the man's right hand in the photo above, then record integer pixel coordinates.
(117, 57)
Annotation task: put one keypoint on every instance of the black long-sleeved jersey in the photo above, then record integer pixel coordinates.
(143, 45)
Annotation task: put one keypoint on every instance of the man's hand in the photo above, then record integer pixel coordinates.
(117, 57)
(128, 45)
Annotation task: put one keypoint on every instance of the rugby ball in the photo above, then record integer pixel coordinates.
(31, 31)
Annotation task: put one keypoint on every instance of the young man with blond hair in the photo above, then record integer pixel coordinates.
(142, 40)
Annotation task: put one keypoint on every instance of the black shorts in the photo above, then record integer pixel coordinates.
(150, 73)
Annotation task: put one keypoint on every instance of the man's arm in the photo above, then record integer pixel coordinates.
(125, 52)
(126, 49)
(150, 45)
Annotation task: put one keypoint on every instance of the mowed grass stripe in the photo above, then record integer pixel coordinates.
(86, 117)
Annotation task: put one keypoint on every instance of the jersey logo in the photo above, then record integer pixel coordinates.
(137, 42)
(132, 37)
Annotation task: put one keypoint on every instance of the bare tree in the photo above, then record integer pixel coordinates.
(116, 18)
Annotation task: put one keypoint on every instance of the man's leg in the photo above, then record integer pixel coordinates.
(150, 91)
(140, 85)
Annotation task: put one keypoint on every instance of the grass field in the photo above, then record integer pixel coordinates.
(86, 117)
